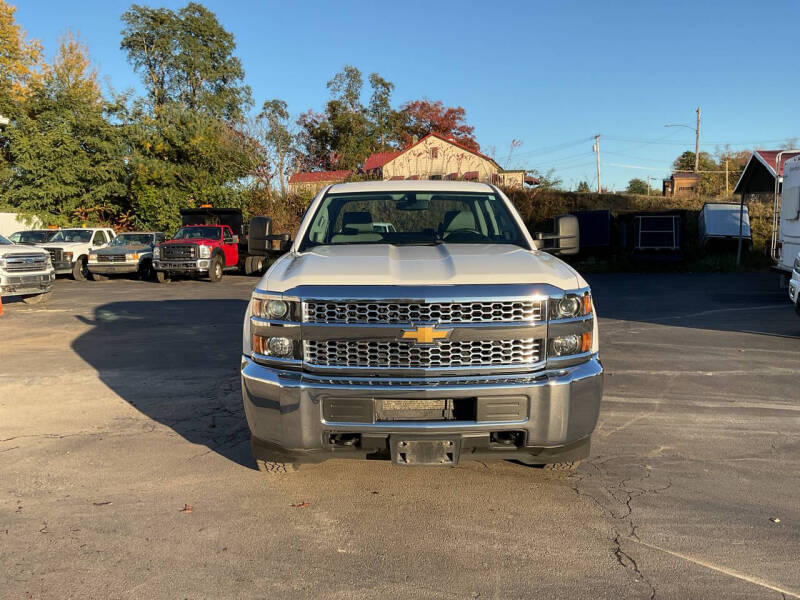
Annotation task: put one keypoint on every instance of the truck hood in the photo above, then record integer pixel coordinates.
(192, 242)
(445, 264)
(20, 249)
(64, 245)
(124, 249)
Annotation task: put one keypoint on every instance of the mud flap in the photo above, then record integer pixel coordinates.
(410, 451)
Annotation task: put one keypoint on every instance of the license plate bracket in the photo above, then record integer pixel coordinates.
(410, 451)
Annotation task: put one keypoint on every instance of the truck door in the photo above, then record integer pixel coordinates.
(230, 249)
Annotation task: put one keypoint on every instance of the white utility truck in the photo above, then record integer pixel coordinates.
(420, 322)
(69, 249)
(25, 271)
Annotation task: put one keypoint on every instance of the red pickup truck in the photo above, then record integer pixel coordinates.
(197, 250)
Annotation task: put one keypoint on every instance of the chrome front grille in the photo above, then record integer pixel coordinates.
(110, 258)
(433, 312)
(26, 263)
(179, 251)
(398, 354)
(56, 254)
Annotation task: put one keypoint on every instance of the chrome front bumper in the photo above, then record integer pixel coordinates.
(182, 266)
(22, 284)
(794, 290)
(114, 268)
(289, 411)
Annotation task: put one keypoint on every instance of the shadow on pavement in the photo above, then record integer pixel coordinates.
(176, 361)
(749, 302)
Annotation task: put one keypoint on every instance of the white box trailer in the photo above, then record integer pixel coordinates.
(720, 228)
(787, 243)
(11, 222)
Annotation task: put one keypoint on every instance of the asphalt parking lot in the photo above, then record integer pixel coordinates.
(125, 468)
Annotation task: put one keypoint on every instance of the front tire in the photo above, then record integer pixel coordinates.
(80, 270)
(36, 299)
(98, 277)
(562, 467)
(271, 463)
(215, 270)
(162, 277)
(146, 271)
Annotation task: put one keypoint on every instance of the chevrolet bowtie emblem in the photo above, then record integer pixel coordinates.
(426, 335)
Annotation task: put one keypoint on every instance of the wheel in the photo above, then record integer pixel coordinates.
(80, 270)
(563, 466)
(162, 277)
(36, 299)
(271, 467)
(98, 277)
(146, 271)
(270, 462)
(257, 265)
(215, 270)
(248, 265)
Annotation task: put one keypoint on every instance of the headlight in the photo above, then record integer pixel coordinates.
(48, 261)
(68, 256)
(566, 345)
(205, 251)
(571, 306)
(266, 308)
(134, 256)
(156, 252)
(92, 257)
(2, 261)
(797, 264)
(280, 347)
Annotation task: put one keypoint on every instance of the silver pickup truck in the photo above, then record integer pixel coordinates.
(448, 336)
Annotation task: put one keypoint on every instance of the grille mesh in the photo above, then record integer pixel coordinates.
(174, 251)
(109, 258)
(347, 353)
(25, 263)
(434, 312)
(56, 254)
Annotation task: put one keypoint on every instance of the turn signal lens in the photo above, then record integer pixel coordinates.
(586, 342)
(586, 304)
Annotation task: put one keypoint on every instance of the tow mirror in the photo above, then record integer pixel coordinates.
(566, 238)
(236, 239)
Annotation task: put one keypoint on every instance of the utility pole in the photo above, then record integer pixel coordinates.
(596, 149)
(697, 142)
(726, 177)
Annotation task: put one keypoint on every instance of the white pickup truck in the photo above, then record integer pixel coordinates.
(69, 249)
(447, 335)
(25, 271)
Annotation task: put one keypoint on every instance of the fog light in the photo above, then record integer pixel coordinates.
(280, 346)
(566, 344)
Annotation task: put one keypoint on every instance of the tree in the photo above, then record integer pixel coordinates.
(186, 57)
(638, 186)
(339, 138)
(583, 187)
(278, 140)
(384, 119)
(181, 158)
(20, 60)
(67, 158)
(422, 117)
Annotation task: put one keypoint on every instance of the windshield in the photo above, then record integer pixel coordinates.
(412, 218)
(32, 237)
(133, 239)
(73, 235)
(5, 241)
(198, 233)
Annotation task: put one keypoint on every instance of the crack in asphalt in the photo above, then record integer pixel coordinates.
(621, 493)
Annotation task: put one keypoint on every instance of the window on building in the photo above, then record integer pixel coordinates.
(686, 189)
(434, 153)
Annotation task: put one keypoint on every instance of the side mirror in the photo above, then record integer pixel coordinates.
(566, 239)
(236, 239)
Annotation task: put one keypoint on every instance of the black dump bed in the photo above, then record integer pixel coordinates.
(232, 217)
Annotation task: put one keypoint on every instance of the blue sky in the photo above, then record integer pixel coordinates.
(550, 74)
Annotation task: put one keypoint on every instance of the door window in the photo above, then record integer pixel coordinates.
(99, 239)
